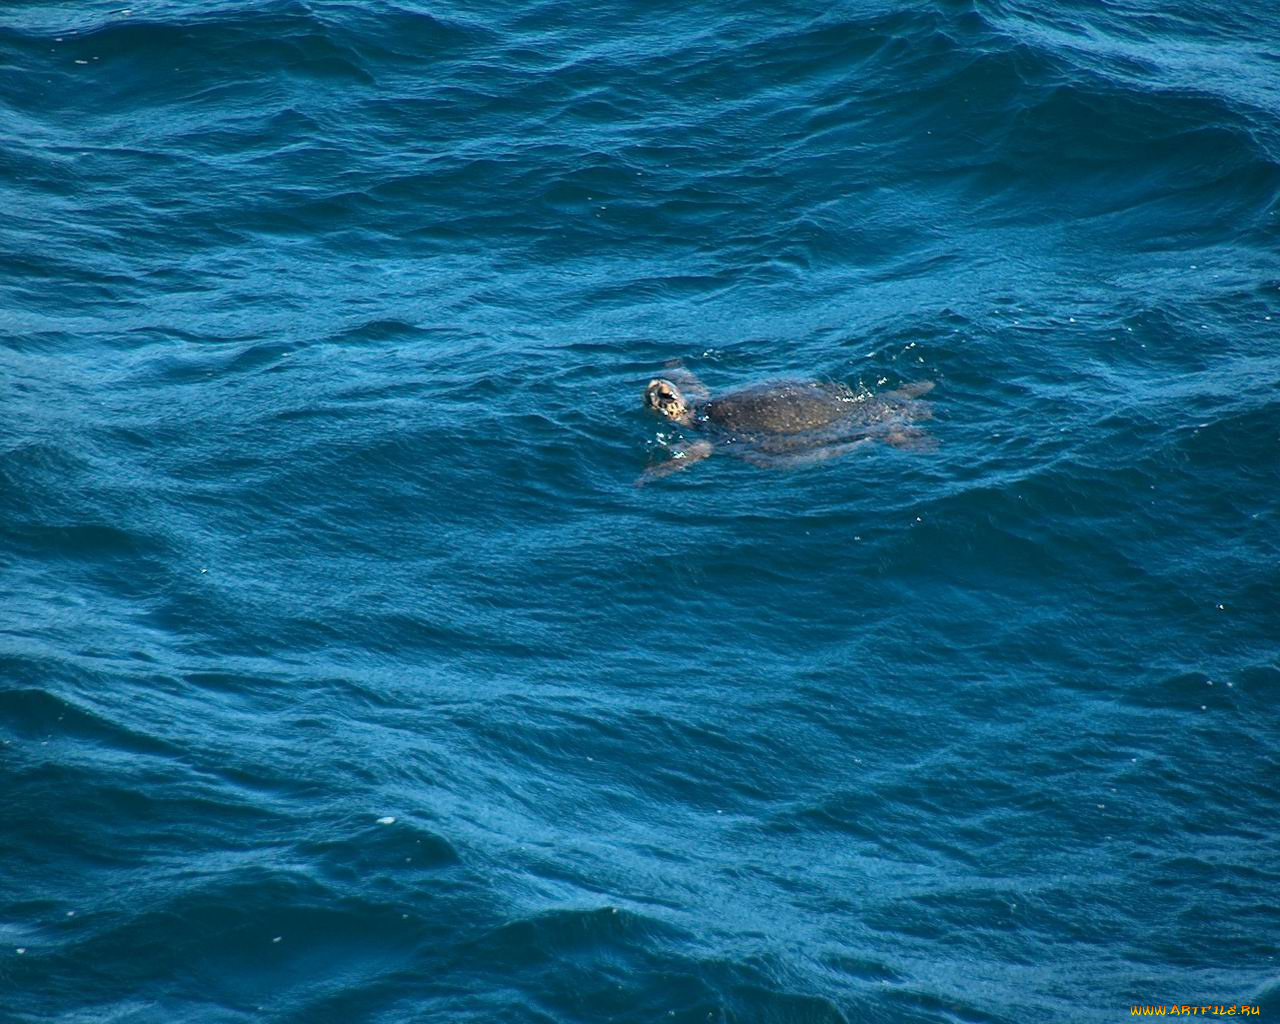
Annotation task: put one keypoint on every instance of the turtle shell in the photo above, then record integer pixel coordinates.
(784, 407)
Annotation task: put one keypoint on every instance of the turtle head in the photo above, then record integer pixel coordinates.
(664, 397)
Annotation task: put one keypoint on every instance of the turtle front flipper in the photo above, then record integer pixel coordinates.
(794, 460)
(693, 389)
(681, 458)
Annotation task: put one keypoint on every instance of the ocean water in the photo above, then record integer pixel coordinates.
(346, 676)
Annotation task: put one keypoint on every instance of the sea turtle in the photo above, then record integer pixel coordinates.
(783, 423)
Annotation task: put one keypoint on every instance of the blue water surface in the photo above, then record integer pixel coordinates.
(346, 676)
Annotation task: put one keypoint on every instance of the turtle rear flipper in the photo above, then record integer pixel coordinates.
(903, 402)
(913, 390)
(911, 439)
